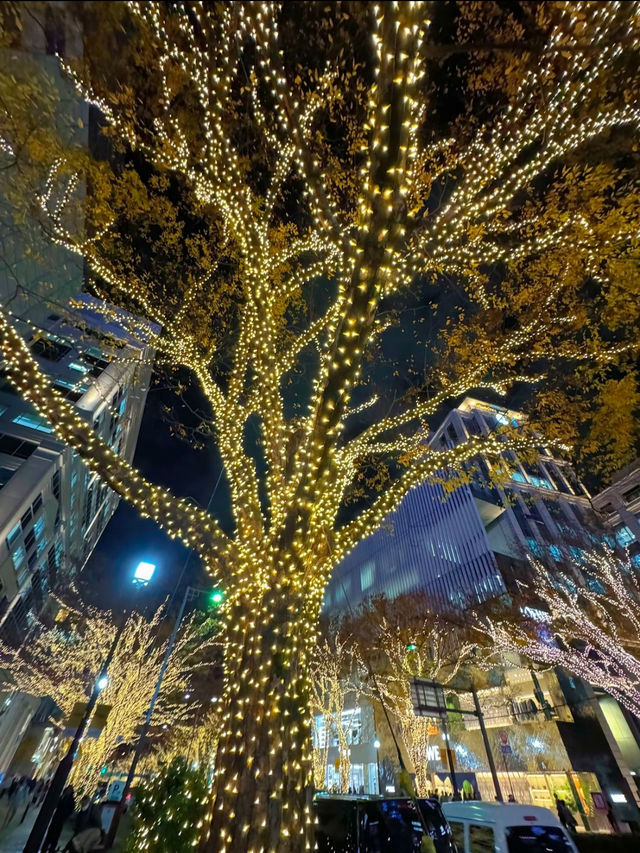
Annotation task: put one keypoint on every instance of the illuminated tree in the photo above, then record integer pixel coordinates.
(169, 809)
(62, 662)
(395, 641)
(334, 175)
(332, 714)
(586, 621)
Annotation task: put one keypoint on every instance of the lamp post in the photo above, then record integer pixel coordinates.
(376, 745)
(142, 576)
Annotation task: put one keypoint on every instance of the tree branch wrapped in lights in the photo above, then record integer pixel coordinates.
(587, 622)
(247, 135)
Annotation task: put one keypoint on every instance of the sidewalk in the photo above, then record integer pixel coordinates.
(14, 837)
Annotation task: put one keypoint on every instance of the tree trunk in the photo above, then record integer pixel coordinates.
(262, 788)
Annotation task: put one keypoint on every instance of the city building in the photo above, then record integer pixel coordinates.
(550, 733)
(619, 504)
(463, 546)
(52, 508)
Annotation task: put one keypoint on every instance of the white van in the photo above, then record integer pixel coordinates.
(479, 827)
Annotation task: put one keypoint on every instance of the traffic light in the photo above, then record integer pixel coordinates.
(216, 597)
(412, 647)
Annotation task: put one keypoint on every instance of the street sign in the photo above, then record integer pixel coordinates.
(505, 747)
(427, 698)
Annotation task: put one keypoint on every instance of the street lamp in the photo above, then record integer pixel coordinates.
(143, 573)
(376, 745)
(141, 577)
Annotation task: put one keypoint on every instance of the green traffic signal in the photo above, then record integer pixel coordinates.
(216, 597)
(412, 647)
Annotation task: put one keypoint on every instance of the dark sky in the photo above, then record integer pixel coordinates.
(128, 538)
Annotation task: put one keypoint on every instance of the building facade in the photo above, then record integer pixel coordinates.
(619, 504)
(461, 546)
(549, 733)
(52, 508)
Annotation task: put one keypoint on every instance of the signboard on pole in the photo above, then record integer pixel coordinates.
(427, 698)
(505, 747)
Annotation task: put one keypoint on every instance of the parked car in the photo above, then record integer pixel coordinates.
(350, 824)
(506, 828)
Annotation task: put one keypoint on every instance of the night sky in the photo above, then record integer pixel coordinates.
(128, 538)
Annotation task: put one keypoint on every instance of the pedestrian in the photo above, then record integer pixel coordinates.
(511, 798)
(64, 810)
(564, 815)
(87, 829)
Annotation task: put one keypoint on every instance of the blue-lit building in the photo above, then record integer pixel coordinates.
(619, 504)
(52, 508)
(461, 546)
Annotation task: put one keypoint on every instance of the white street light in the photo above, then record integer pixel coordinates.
(103, 682)
(143, 573)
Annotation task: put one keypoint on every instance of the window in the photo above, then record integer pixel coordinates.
(51, 350)
(534, 547)
(37, 504)
(457, 832)
(55, 485)
(26, 519)
(69, 393)
(13, 446)
(632, 494)
(5, 475)
(556, 553)
(576, 553)
(367, 574)
(480, 839)
(33, 422)
(624, 536)
(29, 540)
(537, 839)
(14, 535)
(79, 367)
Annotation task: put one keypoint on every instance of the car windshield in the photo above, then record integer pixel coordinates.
(537, 839)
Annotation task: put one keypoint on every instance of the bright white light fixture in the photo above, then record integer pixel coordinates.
(376, 744)
(104, 681)
(618, 798)
(144, 573)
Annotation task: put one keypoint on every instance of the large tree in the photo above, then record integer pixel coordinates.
(327, 162)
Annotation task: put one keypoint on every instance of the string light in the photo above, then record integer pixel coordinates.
(286, 538)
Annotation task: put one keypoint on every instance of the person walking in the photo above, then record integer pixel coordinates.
(64, 810)
(87, 829)
(564, 815)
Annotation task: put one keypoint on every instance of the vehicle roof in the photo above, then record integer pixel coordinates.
(508, 814)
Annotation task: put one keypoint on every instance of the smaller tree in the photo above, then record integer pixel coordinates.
(586, 620)
(332, 686)
(62, 662)
(396, 640)
(170, 809)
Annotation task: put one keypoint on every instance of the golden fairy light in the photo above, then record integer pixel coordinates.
(286, 538)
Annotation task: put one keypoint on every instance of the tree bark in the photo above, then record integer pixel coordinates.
(262, 789)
